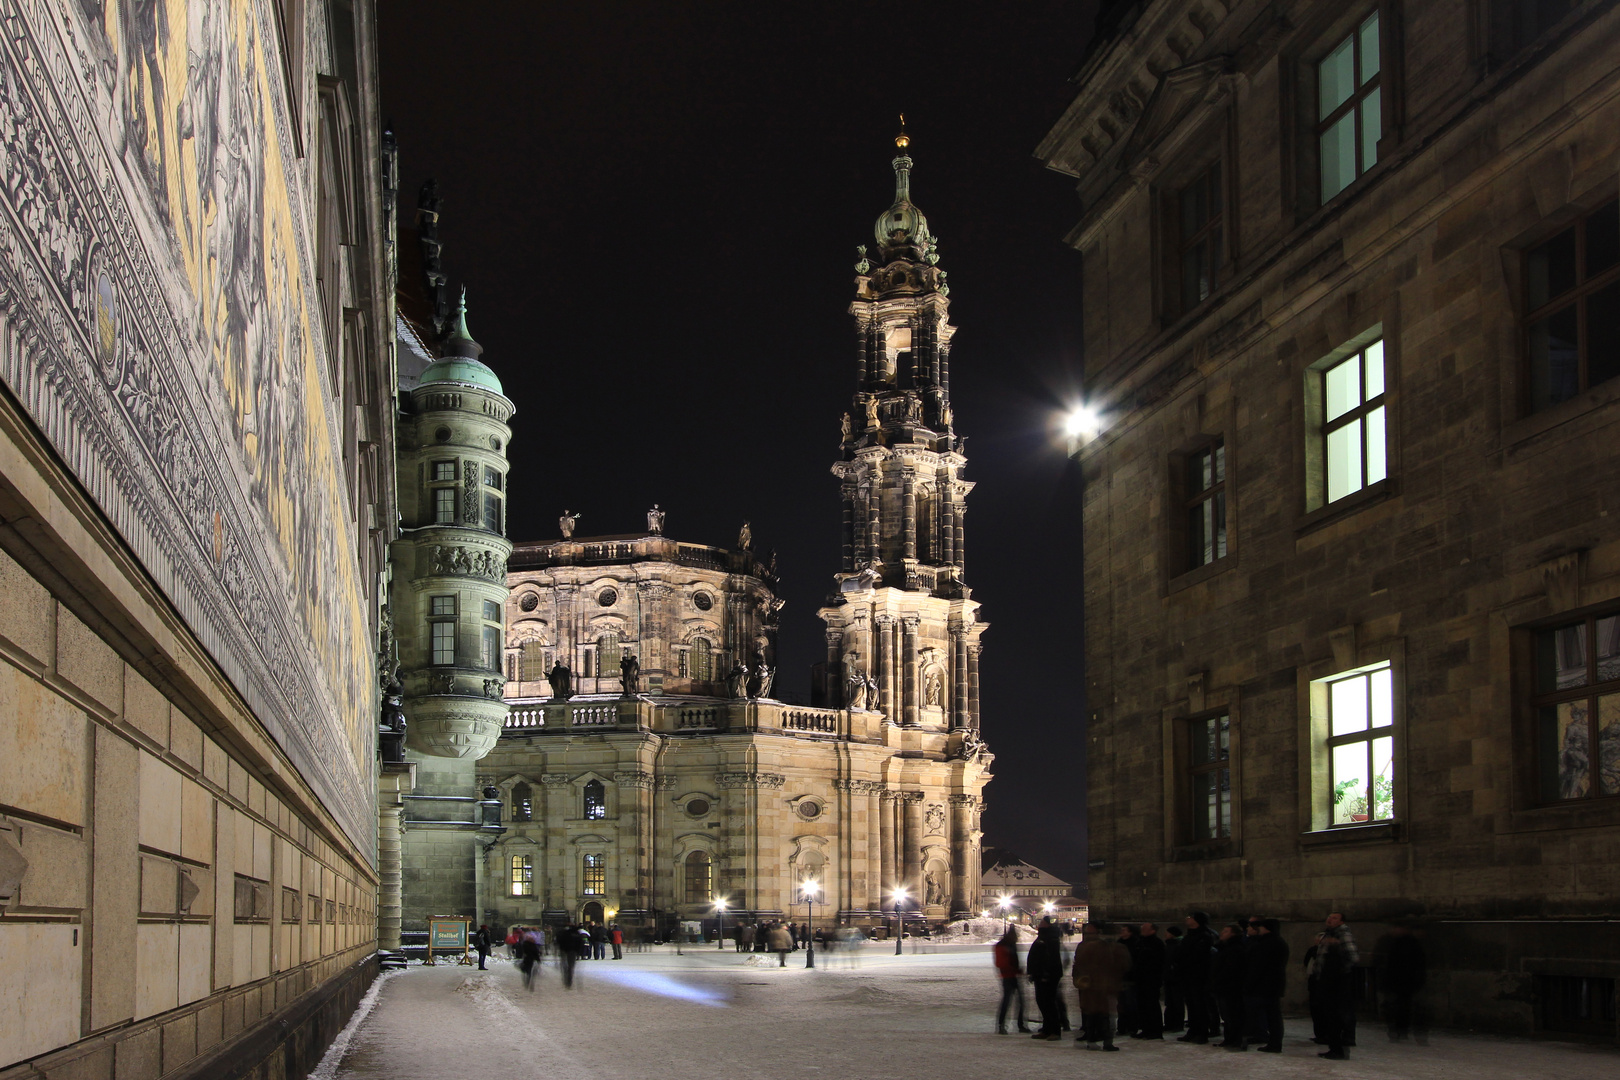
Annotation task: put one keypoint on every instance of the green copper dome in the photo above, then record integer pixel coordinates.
(460, 363)
(902, 223)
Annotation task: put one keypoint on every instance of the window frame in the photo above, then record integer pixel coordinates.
(1590, 692)
(593, 870)
(442, 622)
(1576, 296)
(1359, 93)
(1214, 225)
(443, 508)
(1359, 415)
(1369, 736)
(1192, 769)
(706, 893)
(1215, 449)
(1316, 510)
(1315, 792)
(520, 876)
(593, 809)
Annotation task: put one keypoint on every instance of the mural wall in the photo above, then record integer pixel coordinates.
(159, 321)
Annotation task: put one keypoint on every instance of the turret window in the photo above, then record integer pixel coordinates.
(491, 640)
(444, 471)
(444, 506)
(442, 629)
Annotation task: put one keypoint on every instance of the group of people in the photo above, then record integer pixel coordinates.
(1226, 986)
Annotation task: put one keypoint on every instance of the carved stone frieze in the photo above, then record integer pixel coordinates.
(642, 780)
(556, 778)
(750, 779)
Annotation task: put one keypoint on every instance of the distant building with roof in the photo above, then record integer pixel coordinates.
(1006, 876)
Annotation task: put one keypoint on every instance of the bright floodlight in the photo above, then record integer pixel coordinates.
(899, 892)
(1082, 423)
(720, 903)
(1047, 906)
(811, 888)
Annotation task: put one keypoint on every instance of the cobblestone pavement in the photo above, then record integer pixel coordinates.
(713, 1015)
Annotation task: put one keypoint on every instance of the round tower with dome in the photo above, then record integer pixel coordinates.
(452, 551)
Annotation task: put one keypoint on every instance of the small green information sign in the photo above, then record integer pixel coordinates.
(448, 936)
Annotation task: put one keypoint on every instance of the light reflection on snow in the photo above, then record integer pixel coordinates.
(649, 982)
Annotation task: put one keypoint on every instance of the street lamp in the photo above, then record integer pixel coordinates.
(720, 914)
(899, 921)
(810, 889)
(1006, 912)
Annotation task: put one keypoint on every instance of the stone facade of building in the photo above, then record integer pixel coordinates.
(197, 494)
(1352, 568)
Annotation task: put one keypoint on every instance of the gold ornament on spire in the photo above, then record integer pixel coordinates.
(902, 140)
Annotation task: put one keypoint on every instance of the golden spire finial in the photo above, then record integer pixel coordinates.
(902, 140)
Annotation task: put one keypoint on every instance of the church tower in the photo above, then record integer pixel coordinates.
(902, 632)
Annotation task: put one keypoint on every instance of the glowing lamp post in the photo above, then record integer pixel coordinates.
(899, 920)
(1080, 426)
(720, 914)
(1006, 912)
(810, 889)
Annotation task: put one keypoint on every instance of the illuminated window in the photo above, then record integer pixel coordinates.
(444, 470)
(595, 800)
(1572, 309)
(1354, 450)
(607, 654)
(699, 877)
(1577, 705)
(1349, 108)
(534, 666)
(595, 876)
(523, 875)
(444, 642)
(1361, 745)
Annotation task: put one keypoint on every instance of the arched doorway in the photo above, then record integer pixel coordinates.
(591, 912)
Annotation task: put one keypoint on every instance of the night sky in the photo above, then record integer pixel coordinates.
(655, 208)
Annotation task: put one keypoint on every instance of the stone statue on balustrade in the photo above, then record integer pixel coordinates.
(737, 681)
(562, 682)
(655, 521)
(567, 522)
(630, 673)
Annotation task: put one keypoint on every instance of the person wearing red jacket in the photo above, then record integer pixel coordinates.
(616, 936)
(1006, 957)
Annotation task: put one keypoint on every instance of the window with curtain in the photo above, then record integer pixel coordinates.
(1577, 708)
(1349, 108)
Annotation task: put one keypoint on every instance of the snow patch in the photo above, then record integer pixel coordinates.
(327, 1069)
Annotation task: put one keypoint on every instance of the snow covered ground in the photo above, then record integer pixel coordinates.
(717, 1015)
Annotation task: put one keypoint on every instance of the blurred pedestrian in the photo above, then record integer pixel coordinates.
(1100, 967)
(616, 936)
(569, 950)
(1045, 967)
(1227, 971)
(745, 937)
(1404, 972)
(1333, 966)
(481, 943)
(1264, 981)
(781, 941)
(528, 948)
(1129, 1024)
(1005, 954)
(599, 941)
(1147, 980)
(1194, 957)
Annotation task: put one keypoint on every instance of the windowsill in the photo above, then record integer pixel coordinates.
(1539, 423)
(1205, 851)
(1380, 832)
(1585, 814)
(1348, 506)
(1202, 573)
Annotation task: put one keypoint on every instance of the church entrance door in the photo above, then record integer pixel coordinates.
(591, 912)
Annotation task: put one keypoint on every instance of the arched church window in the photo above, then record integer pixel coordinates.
(522, 802)
(595, 800)
(534, 665)
(607, 654)
(699, 877)
(702, 660)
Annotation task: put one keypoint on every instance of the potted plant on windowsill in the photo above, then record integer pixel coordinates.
(1350, 799)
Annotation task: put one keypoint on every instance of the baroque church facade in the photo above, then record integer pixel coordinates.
(646, 770)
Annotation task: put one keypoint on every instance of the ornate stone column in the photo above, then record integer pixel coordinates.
(876, 883)
(973, 686)
(885, 660)
(964, 864)
(959, 679)
(886, 841)
(908, 660)
(908, 493)
(911, 844)
(394, 782)
(835, 669)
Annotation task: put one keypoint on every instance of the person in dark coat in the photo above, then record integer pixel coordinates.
(1263, 984)
(1175, 1005)
(1100, 968)
(1405, 970)
(599, 941)
(1045, 967)
(1192, 970)
(1227, 971)
(1129, 1024)
(1147, 980)
(1012, 985)
(528, 951)
(1334, 965)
